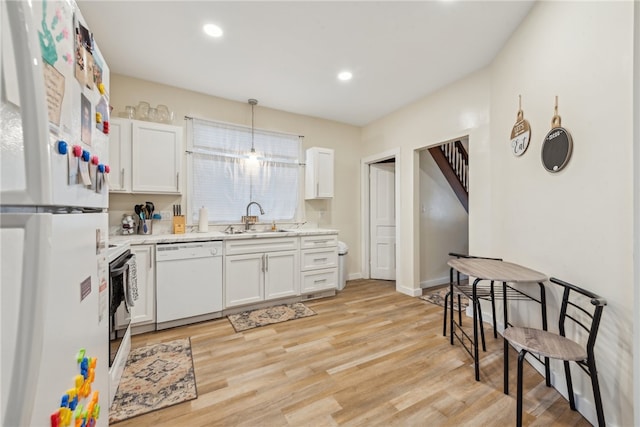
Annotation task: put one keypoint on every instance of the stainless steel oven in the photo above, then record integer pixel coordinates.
(119, 315)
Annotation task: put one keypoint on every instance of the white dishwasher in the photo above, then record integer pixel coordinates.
(188, 281)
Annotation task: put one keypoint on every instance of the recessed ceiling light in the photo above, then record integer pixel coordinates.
(345, 75)
(212, 30)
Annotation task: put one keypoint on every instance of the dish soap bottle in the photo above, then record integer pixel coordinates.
(273, 226)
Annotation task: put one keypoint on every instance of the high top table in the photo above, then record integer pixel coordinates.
(505, 272)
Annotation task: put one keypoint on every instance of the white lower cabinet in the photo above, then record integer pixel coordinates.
(261, 274)
(319, 280)
(244, 279)
(144, 310)
(281, 275)
(319, 265)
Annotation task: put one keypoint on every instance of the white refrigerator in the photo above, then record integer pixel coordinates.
(54, 124)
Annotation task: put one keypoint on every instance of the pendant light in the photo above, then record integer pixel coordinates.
(253, 157)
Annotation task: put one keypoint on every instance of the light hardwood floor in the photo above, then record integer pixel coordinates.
(371, 356)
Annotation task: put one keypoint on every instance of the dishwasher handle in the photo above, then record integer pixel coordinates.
(190, 250)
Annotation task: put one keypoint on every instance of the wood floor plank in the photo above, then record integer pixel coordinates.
(369, 357)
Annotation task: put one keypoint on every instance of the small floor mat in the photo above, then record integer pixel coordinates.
(267, 316)
(437, 297)
(155, 377)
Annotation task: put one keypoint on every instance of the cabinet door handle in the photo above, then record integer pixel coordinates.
(122, 178)
(178, 181)
(317, 188)
(266, 257)
(262, 263)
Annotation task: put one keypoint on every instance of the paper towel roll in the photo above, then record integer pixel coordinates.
(203, 220)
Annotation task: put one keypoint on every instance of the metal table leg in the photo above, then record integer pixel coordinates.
(543, 307)
(505, 343)
(476, 362)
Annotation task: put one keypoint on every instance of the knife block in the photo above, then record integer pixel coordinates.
(178, 224)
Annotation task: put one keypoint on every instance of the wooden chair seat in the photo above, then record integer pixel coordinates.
(584, 309)
(544, 343)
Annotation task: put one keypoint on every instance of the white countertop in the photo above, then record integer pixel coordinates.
(145, 239)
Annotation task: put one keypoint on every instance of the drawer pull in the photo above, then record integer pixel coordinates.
(319, 259)
(319, 280)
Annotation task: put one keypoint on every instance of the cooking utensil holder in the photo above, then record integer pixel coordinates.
(145, 226)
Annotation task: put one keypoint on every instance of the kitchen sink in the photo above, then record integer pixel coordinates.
(255, 231)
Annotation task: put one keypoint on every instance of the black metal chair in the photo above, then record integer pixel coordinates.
(558, 346)
(482, 293)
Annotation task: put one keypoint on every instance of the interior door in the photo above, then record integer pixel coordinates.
(382, 221)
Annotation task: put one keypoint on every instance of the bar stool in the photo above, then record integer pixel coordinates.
(460, 290)
(558, 346)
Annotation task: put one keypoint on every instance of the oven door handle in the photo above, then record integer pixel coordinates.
(124, 266)
(118, 270)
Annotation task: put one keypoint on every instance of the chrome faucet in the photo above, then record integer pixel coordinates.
(247, 222)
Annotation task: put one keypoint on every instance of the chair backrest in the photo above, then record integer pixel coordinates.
(587, 318)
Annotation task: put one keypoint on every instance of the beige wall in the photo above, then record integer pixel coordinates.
(462, 109)
(636, 210)
(342, 212)
(444, 224)
(576, 224)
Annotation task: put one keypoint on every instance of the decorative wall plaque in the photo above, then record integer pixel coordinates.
(557, 145)
(521, 132)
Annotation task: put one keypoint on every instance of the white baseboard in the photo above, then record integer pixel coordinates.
(431, 283)
(412, 292)
(354, 276)
(425, 284)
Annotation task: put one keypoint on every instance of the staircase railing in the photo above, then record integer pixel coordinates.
(453, 161)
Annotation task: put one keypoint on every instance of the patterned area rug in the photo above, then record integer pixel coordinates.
(267, 316)
(155, 376)
(437, 297)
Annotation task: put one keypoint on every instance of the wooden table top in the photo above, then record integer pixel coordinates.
(500, 271)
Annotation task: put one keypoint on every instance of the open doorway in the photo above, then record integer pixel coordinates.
(380, 231)
(444, 221)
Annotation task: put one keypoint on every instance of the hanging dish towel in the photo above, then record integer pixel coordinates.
(131, 283)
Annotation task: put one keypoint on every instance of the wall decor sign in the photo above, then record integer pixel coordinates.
(557, 145)
(521, 132)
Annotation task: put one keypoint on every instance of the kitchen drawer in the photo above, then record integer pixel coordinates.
(255, 245)
(314, 259)
(312, 281)
(321, 241)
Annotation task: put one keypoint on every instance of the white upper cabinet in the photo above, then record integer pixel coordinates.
(120, 156)
(319, 173)
(156, 152)
(146, 156)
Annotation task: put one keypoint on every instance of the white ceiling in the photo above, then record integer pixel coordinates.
(287, 54)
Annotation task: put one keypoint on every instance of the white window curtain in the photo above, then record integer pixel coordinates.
(224, 180)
